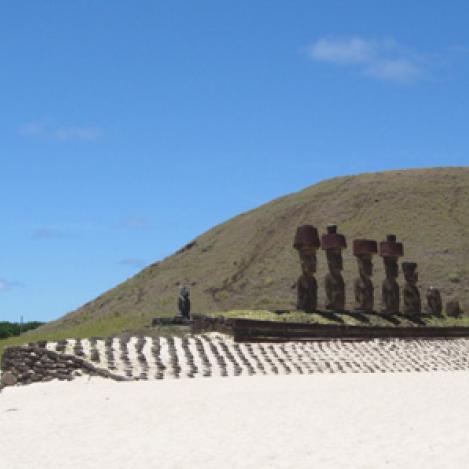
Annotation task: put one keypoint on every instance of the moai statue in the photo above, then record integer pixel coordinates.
(390, 251)
(412, 301)
(363, 250)
(434, 303)
(333, 243)
(453, 309)
(306, 243)
(184, 302)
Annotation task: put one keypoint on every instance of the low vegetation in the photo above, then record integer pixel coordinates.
(351, 319)
(131, 326)
(97, 328)
(11, 329)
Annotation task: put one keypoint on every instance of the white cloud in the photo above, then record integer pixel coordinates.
(136, 223)
(76, 133)
(343, 51)
(133, 262)
(6, 285)
(31, 128)
(47, 232)
(43, 129)
(383, 59)
(395, 70)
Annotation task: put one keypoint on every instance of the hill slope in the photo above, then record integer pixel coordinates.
(248, 262)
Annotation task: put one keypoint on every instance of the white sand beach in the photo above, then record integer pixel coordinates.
(375, 420)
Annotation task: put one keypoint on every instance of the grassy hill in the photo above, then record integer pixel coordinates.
(248, 262)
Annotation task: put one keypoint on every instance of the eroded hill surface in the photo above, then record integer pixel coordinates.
(248, 262)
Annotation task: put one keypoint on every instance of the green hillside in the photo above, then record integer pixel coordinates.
(248, 262)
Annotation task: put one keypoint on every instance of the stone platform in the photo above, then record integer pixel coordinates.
(359, 326)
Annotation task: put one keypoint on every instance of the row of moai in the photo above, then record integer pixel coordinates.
(307, 243)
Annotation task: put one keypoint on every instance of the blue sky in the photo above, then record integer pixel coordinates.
(129, 128)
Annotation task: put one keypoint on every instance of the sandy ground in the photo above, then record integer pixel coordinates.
(378, 420)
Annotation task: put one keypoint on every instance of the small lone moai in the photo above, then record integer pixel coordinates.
(363, 250)
(453, 308)
(434, 302)
(390, 250)
(184, 302)
(412, 301)
(333, 243)
(306, 243)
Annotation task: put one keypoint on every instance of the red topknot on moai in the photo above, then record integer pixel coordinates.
(363, 250)
(306, 243)
(333, 243)
(390, 250)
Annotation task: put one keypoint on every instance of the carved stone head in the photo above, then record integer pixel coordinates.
(334, 260)
(435, 305)
(410, 272)
(390, 250)
(308, 261)
(391, 267)
(333, 243)
(306, 243)
(184, 291)
(364, 249)
(365, 266)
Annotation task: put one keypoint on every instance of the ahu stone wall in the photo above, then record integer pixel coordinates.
(34, 363)
(216, 355)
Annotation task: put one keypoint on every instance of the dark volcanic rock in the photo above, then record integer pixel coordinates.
(27, 364)
(9, 379)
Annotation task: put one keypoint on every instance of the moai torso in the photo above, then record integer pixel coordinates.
(454, 309)
(184, 303)
(390, 250)
(364, 294)
(306, 243)
(390, 292)
(363, 250)
(333, 243)
(307, 293)
(335, 291)
(412, 301)
(434, 303)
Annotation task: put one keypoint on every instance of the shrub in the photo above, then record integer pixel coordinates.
(10, 329)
